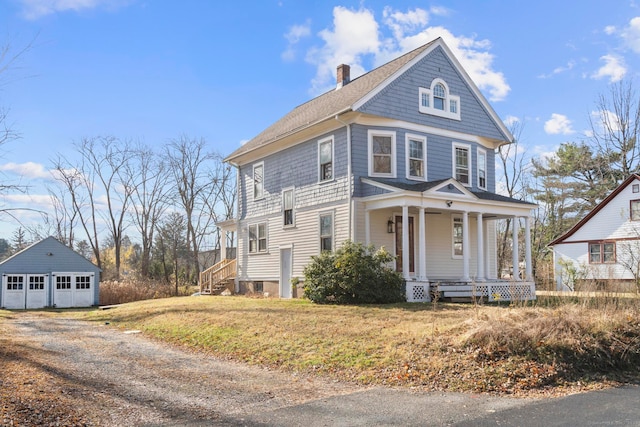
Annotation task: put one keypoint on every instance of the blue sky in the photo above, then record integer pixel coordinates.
(155, 70)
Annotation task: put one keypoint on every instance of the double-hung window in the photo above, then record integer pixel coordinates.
(382, 153)
(457, 237)
(635, 210)
(287, 207)
(416, 157)
(482, 169)
(258, 181)
(602, 252)
(258, 238)
(462, 163)
(326, 232)
(325, 159)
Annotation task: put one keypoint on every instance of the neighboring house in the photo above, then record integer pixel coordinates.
(401, 157)
(605, 245)
(48, 274)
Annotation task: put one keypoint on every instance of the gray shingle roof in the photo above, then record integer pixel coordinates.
(328, 104)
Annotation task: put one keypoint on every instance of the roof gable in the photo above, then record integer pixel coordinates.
(594, 211)
(352, 96)
(44, 252)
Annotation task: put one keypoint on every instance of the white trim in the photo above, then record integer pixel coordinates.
(469, 165)
(266, 232)
(413, 127)
(430, 109)
(253, 180)
(333, 159)
(408, 137)
(333, 229)
(293, 207)
(486, 172)
(385, 133)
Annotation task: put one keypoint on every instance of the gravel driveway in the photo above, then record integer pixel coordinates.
(120, 378)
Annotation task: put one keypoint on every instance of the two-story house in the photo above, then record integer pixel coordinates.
(402, 157)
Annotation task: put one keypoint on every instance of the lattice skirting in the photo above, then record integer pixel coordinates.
(502, 291)
(418, 292)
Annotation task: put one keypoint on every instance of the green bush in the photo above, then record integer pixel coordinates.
(354, 274)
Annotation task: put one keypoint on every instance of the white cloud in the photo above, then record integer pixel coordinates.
(293, 36)
(356, 35)
(610, 29)
(559, 70)
(33, 201)
(558, 124)
(631, 34)
(605, 121)
(510, 121)
(27, 170)
(34, 9)
(614, 68)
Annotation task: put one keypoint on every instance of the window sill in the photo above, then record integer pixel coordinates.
(258, 253)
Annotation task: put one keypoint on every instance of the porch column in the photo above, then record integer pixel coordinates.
(223, 244)
(527, 248)
(515, 250)
(465, 247)
(367, 227)
(405, 242)
(422, 246)
(480, 262)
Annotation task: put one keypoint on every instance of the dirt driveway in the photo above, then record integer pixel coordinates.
(60, 371)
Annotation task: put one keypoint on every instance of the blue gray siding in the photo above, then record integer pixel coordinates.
(49, 256)
(399, 100)
(439, 158)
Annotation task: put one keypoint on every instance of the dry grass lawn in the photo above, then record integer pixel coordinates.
(549, 347)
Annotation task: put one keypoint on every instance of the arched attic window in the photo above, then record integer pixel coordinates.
(438, 101)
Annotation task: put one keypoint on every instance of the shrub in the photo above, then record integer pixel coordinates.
(354, 274)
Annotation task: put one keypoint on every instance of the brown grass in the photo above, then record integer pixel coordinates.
(129, 290)
(502, 349)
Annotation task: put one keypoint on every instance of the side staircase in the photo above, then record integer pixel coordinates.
(218, 278)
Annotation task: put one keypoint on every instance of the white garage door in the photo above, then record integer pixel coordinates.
(24, 291)
(73, 289)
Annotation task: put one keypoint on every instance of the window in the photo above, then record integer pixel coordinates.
(258, 181)
(83, 282)
(287, 207)
(382, 154)
(635, 210)
(15, 283)
(63, 282)
(602, 253)
(482, 169)
(325, 159)
(461, 169)
(416, 157)
(326, 232)
(258, 238)
(438, 101)
(457, 237)
(635, 188)
(439, 96)
(36, 283)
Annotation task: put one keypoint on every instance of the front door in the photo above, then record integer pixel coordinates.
(285, 273)
(399, 254)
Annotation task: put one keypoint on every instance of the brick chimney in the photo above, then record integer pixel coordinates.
(343, 75)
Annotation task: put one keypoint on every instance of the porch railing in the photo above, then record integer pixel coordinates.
(216, 278)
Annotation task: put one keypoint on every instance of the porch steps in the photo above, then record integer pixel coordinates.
(218, 278)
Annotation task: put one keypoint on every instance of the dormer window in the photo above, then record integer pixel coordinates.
(438, 101)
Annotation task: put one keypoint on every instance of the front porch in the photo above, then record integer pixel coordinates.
(490, 290)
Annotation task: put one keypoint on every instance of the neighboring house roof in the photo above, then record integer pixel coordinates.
(358, 90)
(424, 186)
(599, 206)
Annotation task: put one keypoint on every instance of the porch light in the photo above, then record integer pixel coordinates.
(390, 225)
(449, 203)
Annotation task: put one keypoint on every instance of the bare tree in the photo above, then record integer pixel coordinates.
(222, 202)
(189, 163)
(615, 126)
(149, 177)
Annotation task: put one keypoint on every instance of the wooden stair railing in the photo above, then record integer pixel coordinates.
(215, 278)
